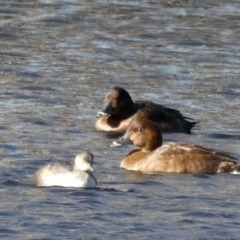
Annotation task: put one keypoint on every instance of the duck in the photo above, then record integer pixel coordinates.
(119, 110)
(77, 173)
(174, 157)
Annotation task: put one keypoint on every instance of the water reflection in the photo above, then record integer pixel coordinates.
(58, 59)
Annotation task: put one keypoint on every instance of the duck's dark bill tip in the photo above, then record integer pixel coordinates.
(115, 144)
(101, 114)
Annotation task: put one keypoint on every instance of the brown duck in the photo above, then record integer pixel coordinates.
(119, 111)
(174, 157)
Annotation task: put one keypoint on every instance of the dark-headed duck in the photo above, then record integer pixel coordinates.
(119, 111)
(174, 157)
(77, 173)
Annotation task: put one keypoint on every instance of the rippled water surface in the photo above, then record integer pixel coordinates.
(57, 61)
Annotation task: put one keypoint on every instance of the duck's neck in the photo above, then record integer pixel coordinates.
(153, 142)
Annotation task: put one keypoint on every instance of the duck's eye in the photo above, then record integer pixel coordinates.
(139, 129)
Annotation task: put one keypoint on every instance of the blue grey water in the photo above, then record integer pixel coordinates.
(58, 58)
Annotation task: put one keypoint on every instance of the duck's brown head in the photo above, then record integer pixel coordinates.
(144, 134)
(117, 102)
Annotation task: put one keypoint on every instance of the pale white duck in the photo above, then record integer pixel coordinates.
(77, 173)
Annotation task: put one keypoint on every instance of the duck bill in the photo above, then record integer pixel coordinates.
(107, 110)
(124, 140)
(91, 169)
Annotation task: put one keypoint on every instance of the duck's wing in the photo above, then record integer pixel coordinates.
(179, 148)
(168, 119)
(187, 158)
(157, 111)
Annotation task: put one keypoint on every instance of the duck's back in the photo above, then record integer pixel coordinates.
(179, 158)
(168, 119)
(61, 166)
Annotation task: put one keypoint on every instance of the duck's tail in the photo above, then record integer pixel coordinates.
(229, 167)
(189, 125)
(236, 170)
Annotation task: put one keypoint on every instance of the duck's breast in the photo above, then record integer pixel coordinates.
(112, 123)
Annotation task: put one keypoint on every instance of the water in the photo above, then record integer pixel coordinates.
(57, 61)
